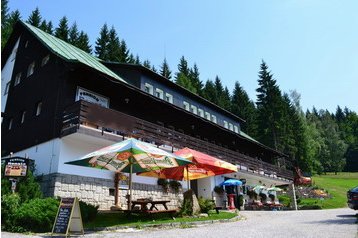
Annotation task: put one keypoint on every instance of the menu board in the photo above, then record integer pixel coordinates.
(16, 167)
(68, 217)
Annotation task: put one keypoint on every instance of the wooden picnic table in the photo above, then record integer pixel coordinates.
(143, 205)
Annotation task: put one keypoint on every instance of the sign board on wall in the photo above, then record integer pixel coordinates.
(16, 167)
(68, 219)
(89, 96)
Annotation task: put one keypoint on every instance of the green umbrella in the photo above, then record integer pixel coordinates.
(130, 156)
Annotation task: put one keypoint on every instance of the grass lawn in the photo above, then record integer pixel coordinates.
(138, 220)
(337, 186)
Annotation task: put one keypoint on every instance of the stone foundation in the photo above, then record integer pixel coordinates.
(96, 191)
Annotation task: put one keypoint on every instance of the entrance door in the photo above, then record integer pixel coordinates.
(194, 186)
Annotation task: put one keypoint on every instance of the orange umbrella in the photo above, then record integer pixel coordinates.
(203, 166)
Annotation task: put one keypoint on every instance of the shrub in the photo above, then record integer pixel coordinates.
(28, 188)
(9, 205)
(206, 205)
(88, 211)
(187, 208)
(284, 200)
(175, 185)
(37, 215)
(310, 207)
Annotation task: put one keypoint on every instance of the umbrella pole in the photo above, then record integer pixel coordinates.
(130, 187)
(187, 176)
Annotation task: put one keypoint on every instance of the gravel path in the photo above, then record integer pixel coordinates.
(301, 224)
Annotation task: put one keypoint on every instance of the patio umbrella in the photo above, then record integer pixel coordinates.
(258, 188)
(231, 182)
(130, 156)
(276, 189)
(203, 166)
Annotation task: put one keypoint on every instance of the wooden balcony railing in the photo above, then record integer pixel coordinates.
(88, 114)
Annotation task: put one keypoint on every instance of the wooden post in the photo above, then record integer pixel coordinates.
(117, 178)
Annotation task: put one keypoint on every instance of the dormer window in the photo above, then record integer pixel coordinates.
(31, 69)
(186, 106)
(201, 112)
(148, 88)
(226, 125)
(159, 93)
(17, 79)
(45, 60)
(213, 118)
(236, 129)
(194, 109)
(168, 97)
(207, 116)
(231, 127)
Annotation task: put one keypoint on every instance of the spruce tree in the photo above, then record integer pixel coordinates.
(73, 34)
(113, 46)
(137, 60)
(146, 63)
(124, 52)
(35, 18)
(15, 16)
(101, 47)
(83, 42)
(49, 28)
(131, 59)
(195, 80)
(242, 106)
(269, 107)
(5, 28)
(62, 30)
(154, 69)
(43, 25)
(164, 70)
(209, 92)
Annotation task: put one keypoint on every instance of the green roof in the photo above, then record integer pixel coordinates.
(70, 52)
(247, 136)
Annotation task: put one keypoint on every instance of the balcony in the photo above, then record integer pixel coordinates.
(90, 118)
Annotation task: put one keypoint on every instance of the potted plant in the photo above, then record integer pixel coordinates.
(164, 183)
(175, 185)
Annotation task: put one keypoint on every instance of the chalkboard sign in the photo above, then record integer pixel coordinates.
(68, 217)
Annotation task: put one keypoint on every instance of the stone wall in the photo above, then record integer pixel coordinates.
(97, 191)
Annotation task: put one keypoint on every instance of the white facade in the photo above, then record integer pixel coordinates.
(6, 74)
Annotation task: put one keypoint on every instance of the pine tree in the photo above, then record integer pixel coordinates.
(35, 18)
(269, 106)
(83, 42)
(49, 28)
(146, 63)
(113, 47)
(195, 80)
(154, 69)
(73, 34)
(209, 92)
(182, 77)
(43, 25)
(164, 70)
(5, 28)
(124, 52)
(131, 59)
(137, 60)
(62, 30)
(15, 16)
(242, 106)
(101, 47)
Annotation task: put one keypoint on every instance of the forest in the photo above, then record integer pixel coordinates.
(316, 140)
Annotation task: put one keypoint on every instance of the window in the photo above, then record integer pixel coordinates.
(30, 69)
(225, 124)
(207, 115)
(38, 108)
(10, 123)
(194, 109)
(45, 60)
(148, 88)
(213, 118)
(23, 117)
(201, 112)
(159, 93)
(186, 106)
(231, 127)
(168, 97)
(236, 129)
(17, 79)
(7, 86)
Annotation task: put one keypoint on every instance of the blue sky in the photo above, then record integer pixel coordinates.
(310, 46)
